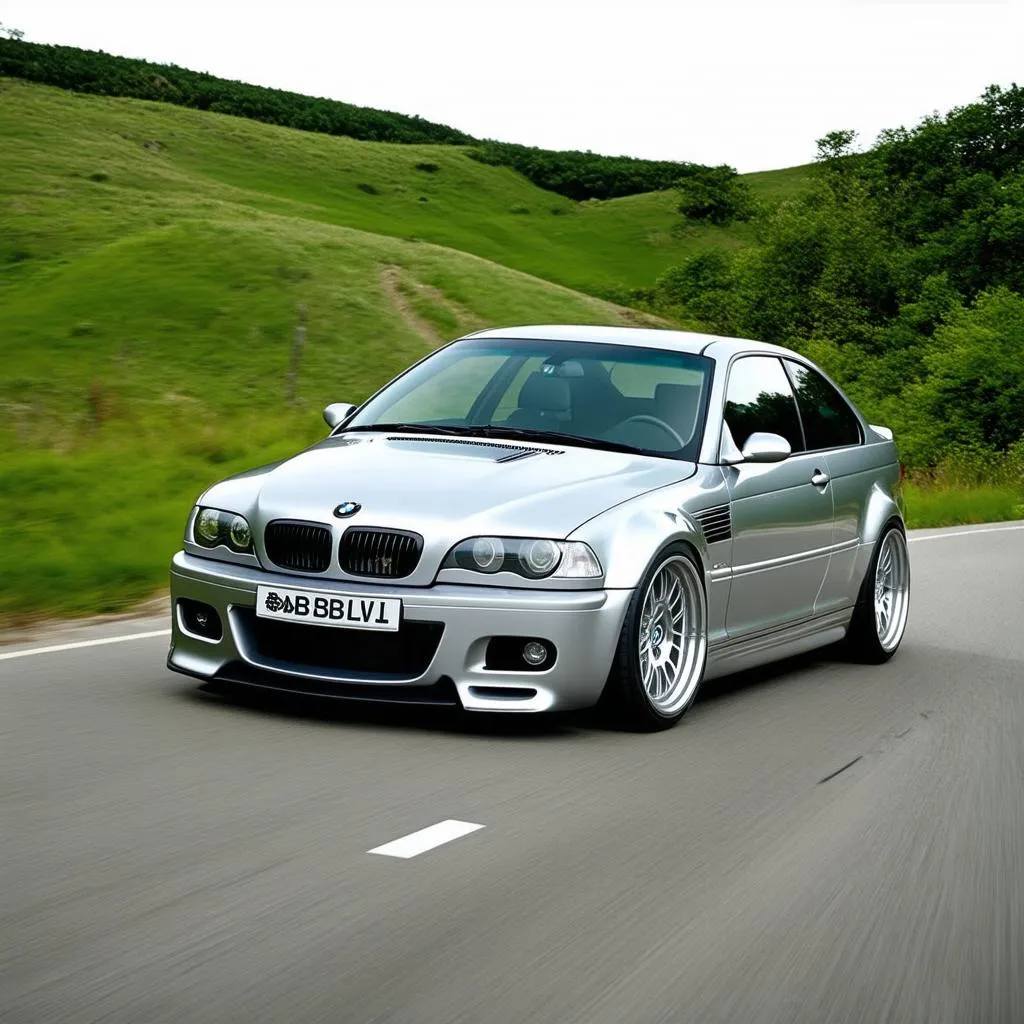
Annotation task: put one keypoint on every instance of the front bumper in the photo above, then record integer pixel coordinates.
(583, 626)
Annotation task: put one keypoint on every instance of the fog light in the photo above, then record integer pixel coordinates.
(200, 619)
(534, 654)
(519, 654)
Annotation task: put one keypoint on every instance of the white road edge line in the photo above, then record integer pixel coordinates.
(84, 643)
(967, 533)
(425, 839)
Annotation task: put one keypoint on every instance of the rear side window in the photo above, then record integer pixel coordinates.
(760, 399)
(828, 420)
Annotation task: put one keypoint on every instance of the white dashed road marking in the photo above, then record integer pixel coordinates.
(425, 839)
(84, 643)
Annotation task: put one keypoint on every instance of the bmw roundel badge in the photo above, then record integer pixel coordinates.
(346, 509)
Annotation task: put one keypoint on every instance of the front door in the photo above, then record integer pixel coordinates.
(782, 513)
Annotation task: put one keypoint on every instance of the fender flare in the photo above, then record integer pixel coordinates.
(629, 541)
(880, 510)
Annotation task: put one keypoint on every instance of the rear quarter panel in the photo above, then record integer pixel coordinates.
(866, 493)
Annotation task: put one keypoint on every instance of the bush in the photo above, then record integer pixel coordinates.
(68, 67)
(573, 174)
(583, 176)
(704, 287)
(973, 394)
(715, 195)
(898, 270)
(706, 271)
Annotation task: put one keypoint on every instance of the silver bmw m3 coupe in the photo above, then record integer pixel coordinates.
(545, 518)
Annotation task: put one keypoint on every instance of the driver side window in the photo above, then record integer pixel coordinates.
(759, 398)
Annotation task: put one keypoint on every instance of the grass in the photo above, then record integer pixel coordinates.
(106, 166)
(971, 485)
(153, 261)
(122, 400)
(147, 319)
(93, 529)
(786, 183)
(933, 506)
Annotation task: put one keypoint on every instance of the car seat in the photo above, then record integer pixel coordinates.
(544, 403)
(677, 405)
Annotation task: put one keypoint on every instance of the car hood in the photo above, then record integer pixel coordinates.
(446, 488)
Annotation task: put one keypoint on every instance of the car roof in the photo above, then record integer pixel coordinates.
(646, 337)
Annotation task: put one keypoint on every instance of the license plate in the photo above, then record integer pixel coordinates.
(320, 609)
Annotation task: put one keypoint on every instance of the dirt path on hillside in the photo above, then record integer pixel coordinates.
(390, 280)
(397, 282)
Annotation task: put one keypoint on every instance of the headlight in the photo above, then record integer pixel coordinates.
(213, 527)
(534, 558)
(207, 528)
(488, 554)
(239, 534)
(541, 557)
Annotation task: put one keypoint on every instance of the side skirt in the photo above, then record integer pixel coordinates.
(750, 651)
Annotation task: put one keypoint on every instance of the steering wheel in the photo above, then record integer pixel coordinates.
(654, 421)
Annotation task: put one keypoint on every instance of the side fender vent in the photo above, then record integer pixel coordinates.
(716, 522)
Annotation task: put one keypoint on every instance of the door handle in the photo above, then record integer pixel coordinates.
(820, 479)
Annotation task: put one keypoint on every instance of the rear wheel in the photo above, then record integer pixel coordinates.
(880, 616)
(660, 659)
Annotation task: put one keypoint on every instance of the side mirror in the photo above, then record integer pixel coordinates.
(337, 412)
(766, 448)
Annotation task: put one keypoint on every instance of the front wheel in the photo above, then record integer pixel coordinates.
(880, 616)
(661, 654)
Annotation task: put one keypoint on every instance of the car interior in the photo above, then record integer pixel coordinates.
(580, 397)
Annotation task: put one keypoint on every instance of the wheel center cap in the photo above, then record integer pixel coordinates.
(657, 635)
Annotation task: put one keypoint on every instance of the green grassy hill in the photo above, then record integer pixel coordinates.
(135, 150)
(152, 262)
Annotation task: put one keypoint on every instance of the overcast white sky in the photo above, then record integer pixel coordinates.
(718, 82)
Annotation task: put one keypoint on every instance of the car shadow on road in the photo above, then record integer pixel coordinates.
(453, 721)
(356, 714)
(778, 673)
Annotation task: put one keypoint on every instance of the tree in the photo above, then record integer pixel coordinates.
(974, 393)
(715, 194)
(836, 145)
(12, 33)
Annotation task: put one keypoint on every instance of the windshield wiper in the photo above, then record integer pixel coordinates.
(550, 437)
(407, 428)
(502, 433)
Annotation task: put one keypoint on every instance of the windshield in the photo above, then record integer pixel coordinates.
(610, 396)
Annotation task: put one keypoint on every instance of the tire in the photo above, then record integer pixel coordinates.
(651, 685)
(880, 616)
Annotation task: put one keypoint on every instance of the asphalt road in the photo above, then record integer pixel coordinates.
(171, 857)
